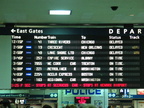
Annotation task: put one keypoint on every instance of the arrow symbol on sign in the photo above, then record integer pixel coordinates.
(113, 95)
(51, 95)
(109, 94)
(13, 30)
(20, 95)
(55, 95)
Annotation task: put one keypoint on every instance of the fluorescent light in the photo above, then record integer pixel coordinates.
(59, 12)
(131, 15)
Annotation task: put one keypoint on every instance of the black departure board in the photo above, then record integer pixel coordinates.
(77, 57)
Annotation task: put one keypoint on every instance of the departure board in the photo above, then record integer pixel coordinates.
(77, 58)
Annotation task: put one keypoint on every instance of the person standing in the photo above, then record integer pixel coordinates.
(5, 102)
(46, 106)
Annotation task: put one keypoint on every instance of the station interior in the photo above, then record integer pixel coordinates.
(34, 17)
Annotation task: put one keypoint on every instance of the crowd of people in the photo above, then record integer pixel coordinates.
(74, 106)
(81, 106)
(7, 104)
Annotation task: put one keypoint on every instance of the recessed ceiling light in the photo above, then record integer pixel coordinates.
(131, 15)
(59, 12)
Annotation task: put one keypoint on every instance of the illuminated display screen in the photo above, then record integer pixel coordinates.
(77, 58)
(140, 91)
(82, 100)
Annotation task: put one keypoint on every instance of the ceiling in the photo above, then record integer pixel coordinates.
(83, 12)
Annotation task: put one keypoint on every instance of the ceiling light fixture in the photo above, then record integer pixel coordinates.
(131, 15)
(60, 12)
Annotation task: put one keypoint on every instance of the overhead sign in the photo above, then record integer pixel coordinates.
(53, 95)
(82, 100)
(73, 92)
(111, 95)
(14, 95)
(76, 57)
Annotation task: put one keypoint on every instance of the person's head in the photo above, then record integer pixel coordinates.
(67, 106)
(71, 106)
(47, 106)
(109, 106)
(91, 106)
(87, 106)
